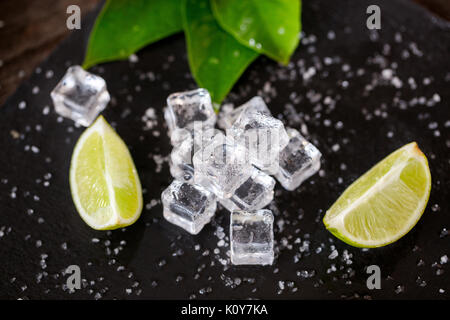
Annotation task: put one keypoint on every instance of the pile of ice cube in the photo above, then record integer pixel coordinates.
(233, 169)
(208, 165)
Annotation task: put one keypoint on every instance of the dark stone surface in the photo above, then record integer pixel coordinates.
(353, 126)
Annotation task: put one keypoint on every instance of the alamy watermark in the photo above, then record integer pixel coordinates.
(374, 20)
(374, 280)
(74, 19)
(74, 280)
(240, 147)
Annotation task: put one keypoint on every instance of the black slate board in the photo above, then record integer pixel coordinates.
(352, 124)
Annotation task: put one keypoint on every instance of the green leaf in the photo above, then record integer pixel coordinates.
(216, 59)
(270, 27)
(124, 26)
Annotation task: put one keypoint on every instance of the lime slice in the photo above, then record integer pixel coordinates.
(385, 203)
(103, 179)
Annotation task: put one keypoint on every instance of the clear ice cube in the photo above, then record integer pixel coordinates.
(221, 166)
(251, 237)
(80, 96)
(223, 118)
(299, 160)
(263, 136)
(253, 194)
(188, 206)
(203, 136)
(181, 159)
(179, 135)
(186, 108)
(228, 115)
(185, 144)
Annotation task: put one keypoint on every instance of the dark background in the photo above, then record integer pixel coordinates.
(353, 115)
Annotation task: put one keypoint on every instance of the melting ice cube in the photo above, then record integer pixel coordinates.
(80, 96)
(221, 166)
(228, 115)
(299, 160)
(186, 108)
(263, 136)
(188, 206)
(251, 237)
(253, 194)
(185, 144)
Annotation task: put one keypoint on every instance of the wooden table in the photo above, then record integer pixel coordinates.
(30, 30)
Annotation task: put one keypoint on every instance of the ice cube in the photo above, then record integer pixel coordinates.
(186, 108)
(181, 166)
(179, 135)
(299, 160)
(204, 135)
(186, 143)
(188, 206)
(228, 115)
(80, 96)
(221, 166)
(263, 136)
(253, 194)
(223, 118)
(251, 237)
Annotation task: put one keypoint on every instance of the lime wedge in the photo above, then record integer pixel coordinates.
(104, 182)
(385, 203)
